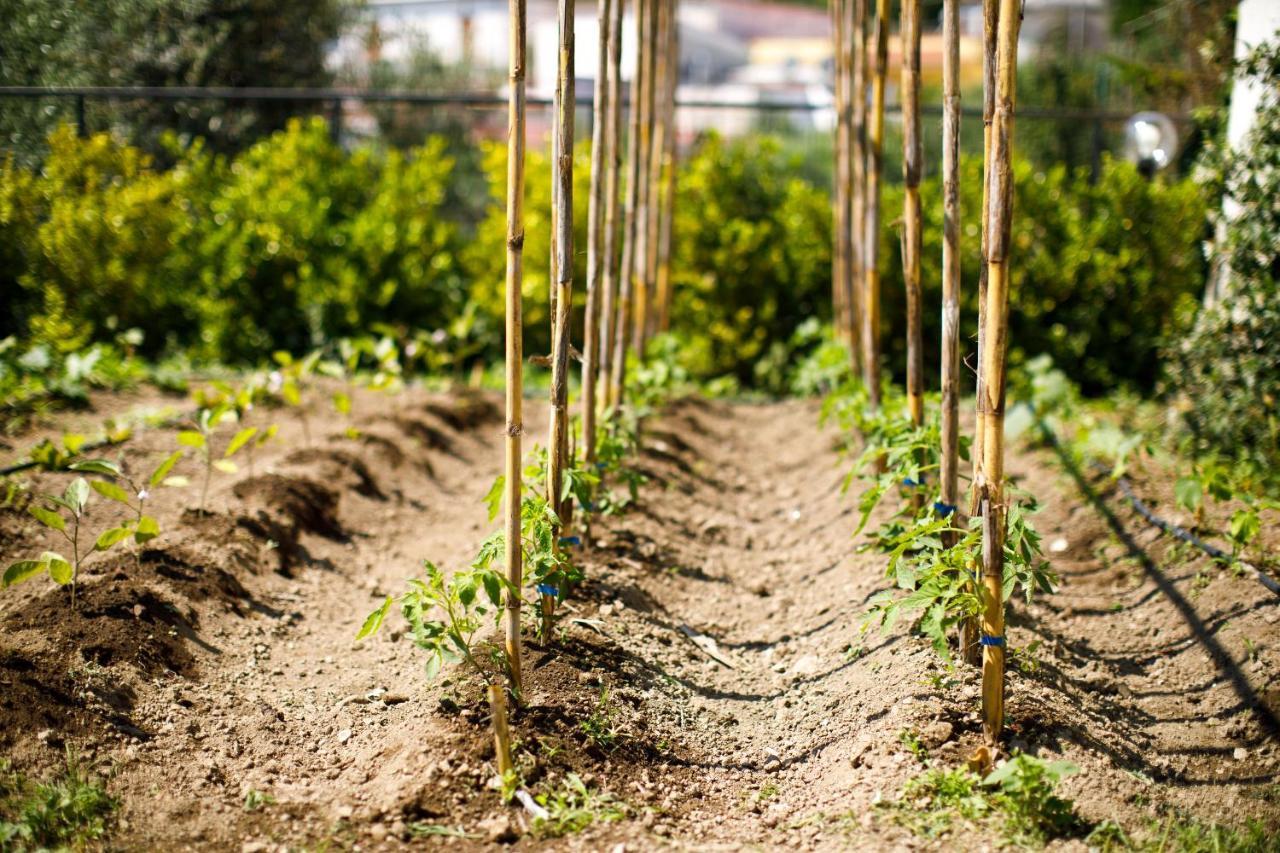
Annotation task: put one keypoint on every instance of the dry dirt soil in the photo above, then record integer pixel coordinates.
(220, 659)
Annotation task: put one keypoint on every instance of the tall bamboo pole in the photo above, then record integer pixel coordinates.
(562, 227)
(618, 382)
(642, 291)
(850, 284)
(840, 207)
(912, 165)
(858, 204)
(950, 379)
(657, 154)
(871, 236)
(513, 552)
(595, 237)
(670, 164)
(971, 651)
(1000, 204)
(613, 161)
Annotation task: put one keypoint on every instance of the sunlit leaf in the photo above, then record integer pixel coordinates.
(162, 471)
(110, 491)
(48, 517)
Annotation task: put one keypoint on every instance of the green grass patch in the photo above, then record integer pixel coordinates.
(65, 812)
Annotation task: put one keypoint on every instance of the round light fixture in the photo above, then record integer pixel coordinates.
(1150, 141)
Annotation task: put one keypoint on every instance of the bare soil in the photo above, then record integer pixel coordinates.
(716, 642)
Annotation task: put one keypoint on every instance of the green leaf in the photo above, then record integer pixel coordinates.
(493, 500)
(108, 538)
(21, 570)
(148, 529)
(1188, 493)
(433, 665)
(176, 482)
(342, 403)
(162, 471)
(110, 491)
(96, 466)
(47, 517)
(374, 620)
(226, 466)
(59, 569)
(1245, 525)
(77, 494)
(239, 440)
(191, 438)
(73, 441)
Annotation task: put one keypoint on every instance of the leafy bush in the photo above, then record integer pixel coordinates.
(1224, 362)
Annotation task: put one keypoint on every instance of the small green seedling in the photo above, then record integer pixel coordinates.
(65, 515)
(200, 439)
(291, 380)
(143, 528)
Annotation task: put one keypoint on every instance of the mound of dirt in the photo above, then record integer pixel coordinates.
(281, 509)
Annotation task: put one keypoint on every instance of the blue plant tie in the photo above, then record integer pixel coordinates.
(588, 506)
(944, 509)
(572, 541)
(548, 589)
(911, 484)
(988, 640)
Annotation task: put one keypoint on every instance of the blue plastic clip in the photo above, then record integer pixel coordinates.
(944, 509)
(988, 640)
(572, 541)
(548, 589)
(911, 484)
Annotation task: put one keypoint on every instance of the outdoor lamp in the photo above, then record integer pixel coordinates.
(1150, 142)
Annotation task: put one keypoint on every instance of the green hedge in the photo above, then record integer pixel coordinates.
(295, 241)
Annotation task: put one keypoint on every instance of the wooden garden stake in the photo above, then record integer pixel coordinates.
(840, 208)
(657, 150)
(618, 382)
(595, 239)
(562, 227)
(858, 155)
(613, 160)
(995, 344)
(669, 160)
(501, 732)
(871, 234)
(641, 290)
(514, 553)
(970, 649)
(949, 473)
(912, 165)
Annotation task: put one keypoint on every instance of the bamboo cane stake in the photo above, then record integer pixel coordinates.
(501, 732)
(850, 284)
(641, 291)
(1000, 203)
(595, 237)
(562, 178)
(858, 202)
(970, 649)
(950, 378)
(670, 164)
(839, 206)
(513, 551)
(617, 383)
(912, 165)
(657, 153)
(871, 238)
(613, 161)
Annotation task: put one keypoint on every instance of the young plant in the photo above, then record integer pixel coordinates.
(445, 616)
(143, 528)
(65, 515)
(572, 807)
(291, 380)
(200, 439)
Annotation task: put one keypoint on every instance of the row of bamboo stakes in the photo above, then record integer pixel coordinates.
(627, 302)
(860, 31)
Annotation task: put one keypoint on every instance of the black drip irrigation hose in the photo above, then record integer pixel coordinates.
(1187, 536)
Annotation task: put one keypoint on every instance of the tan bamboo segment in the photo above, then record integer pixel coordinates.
(618, 381)
(912, 166)
(971, 652)
(641, 289)
(871, 234)
(669, 164)
(1000, 202)
(513, 551)
(840, 224)
(595, 237)
(657, 155)
(562, 228)
(858, 155)
(613, 162)
(501, 731)
(950, 379)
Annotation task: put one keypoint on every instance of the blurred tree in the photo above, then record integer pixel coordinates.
(163, 43)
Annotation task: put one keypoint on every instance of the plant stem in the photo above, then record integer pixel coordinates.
(514, 552)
